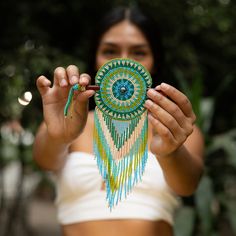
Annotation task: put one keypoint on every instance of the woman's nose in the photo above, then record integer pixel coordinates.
(124, 54)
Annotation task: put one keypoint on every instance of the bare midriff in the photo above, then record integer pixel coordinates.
(118, 228)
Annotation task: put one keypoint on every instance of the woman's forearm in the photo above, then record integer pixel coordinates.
(49, 154)
(182, 170)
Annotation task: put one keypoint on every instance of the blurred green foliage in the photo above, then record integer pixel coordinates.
(200, 43)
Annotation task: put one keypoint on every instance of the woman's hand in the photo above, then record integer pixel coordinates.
(172, 119)
(54, 99)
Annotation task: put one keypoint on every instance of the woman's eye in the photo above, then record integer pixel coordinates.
(140, 53)
(108, 52)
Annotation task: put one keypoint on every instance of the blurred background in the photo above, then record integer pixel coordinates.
(199, 38)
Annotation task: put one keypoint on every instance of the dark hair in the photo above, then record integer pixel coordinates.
(140, 19)
(145, 23)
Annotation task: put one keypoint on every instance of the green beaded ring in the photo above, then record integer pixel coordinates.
(123, 85)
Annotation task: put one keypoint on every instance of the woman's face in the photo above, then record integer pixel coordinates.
(124, 40)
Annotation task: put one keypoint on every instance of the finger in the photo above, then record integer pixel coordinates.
(165, 118)
(43, 84)
(168, 105)
(180, 99)
(84, 79)
(82, 98)
(161, 129)
(60, 77)
(73, 74)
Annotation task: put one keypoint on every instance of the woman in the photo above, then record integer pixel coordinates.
(65, 146)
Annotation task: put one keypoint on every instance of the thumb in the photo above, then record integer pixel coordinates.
(43, 85)
(82, 100)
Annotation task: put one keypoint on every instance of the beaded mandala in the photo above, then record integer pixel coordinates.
(121, 125)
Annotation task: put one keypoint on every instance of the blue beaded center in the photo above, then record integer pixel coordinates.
(123, 89)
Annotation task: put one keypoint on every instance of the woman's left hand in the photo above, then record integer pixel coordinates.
(172, 119)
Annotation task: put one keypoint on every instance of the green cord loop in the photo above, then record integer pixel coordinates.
(70, 97)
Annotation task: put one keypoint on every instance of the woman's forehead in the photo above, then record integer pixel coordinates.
(124, 32)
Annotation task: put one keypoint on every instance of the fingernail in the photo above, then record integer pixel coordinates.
(158, 95)
(148, 103)
(83, 79)
(158, 87)
(164, 85)
(46, 83)
(153, 92)
(63, 82)
(74, 79)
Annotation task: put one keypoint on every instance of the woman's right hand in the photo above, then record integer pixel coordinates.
(54, 98)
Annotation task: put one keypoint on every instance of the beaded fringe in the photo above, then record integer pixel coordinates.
(120, 148)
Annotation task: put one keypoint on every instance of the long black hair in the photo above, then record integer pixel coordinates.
(143, 21)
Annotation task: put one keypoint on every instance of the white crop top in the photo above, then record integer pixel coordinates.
(81, 195)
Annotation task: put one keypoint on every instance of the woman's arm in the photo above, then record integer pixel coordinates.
(49, 153)
(57, 132)
(177, 143)
(183, 168)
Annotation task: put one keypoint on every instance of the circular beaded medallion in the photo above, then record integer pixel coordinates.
(123, 86)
